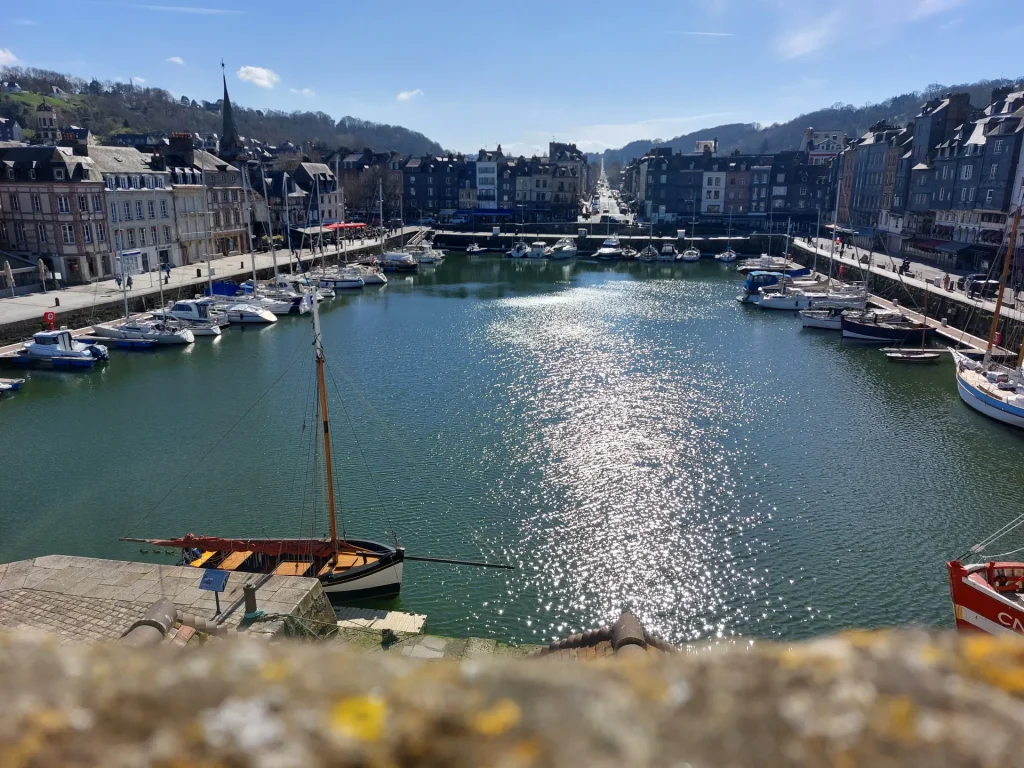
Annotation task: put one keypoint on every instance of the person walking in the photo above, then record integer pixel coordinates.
(117, 279)
(128, 282)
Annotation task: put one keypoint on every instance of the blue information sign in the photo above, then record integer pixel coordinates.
(214, 581)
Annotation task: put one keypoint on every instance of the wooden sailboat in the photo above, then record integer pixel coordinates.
(347, 568)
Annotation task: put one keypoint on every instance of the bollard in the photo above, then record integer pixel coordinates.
(56, 302)
(249, 590)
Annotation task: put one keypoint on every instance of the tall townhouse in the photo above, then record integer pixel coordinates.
(52, 208)
(140, 204)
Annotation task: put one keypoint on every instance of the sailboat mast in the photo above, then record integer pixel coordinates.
(1002, 284)
(324, 415)
(270, 224)
(248, 222)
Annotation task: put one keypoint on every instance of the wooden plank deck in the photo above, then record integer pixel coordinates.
(371, 618)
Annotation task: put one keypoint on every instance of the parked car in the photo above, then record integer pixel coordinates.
(460, 219)
(964, 283)
(984, 288)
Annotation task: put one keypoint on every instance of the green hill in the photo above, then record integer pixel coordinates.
(845, 118)
(107, 108)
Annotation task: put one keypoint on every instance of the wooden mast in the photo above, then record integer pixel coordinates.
(322, 387)
(1002, 284)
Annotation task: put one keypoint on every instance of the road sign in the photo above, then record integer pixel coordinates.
(214, 581)
(128, 263)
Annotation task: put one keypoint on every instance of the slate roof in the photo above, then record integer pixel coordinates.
(120, 160)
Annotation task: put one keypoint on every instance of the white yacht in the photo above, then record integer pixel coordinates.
(519, 250)
(398, 261)
(539, 250)
(372, 275)
(564, 249)
(195, 314)
(343, 279)
(667, 253)
(249, 314)
(610, 249)
(474, 248)
(690, 255)
(60, 350)
(139, 330)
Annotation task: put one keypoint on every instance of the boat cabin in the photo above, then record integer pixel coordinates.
(60, 339)
(191, 309)
(759, 279)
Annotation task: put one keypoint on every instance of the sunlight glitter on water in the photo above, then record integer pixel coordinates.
(637, 503)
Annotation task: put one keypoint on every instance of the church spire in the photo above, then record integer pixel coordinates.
(229, 141)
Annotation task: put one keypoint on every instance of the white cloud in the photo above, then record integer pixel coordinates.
(706, 34)
(190, 9)
(307, 92)
(810, 38)
(259, 76)
(177, 60)
(138, 80)
(409, 95)
(921, 8)
(7, 57)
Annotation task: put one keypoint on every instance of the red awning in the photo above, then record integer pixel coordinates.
(344, 226)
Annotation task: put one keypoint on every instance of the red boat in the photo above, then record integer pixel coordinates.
(988, 597)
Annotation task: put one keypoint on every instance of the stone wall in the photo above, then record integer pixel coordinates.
(871, 699)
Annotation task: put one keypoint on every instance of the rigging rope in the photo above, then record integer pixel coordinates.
(362, 455)
(222, 437)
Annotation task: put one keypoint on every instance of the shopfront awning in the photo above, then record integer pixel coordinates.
(866, 231)
(952, 247)
(928, 245)
(340, 225)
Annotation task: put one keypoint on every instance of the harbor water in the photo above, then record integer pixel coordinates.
(626, 436)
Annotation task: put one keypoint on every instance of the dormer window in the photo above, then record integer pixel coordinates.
(32, 173)
(10, 173)
(58, 174)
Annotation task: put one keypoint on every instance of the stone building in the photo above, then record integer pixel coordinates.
(140, 204)
(10, 130)
(224, 194)
(52, 207)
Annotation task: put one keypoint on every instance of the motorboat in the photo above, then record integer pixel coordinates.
(398, 261)
(371, 274)
(772, 264)
(751, 293)
(164, 333)
(690, 255)
(60, 350)
(727, 256)
(249, 314)
(474, 248)
(197, 315)
(539, 250)
(424, 254)
(343, 279)
(610, 249)
(280, 301)
(648, 254)
(565, 248)
(668, 253)
(519, 250)
(13, 385)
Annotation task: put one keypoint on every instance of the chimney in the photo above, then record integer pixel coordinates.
(999, 94)
(181, 145)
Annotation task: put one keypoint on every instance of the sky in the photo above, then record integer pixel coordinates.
(469, 74)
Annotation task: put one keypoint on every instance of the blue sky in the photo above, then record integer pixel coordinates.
(472, 73)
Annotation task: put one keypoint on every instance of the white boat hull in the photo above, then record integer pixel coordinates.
(988, 406)
(824, 323)
(379, 581)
